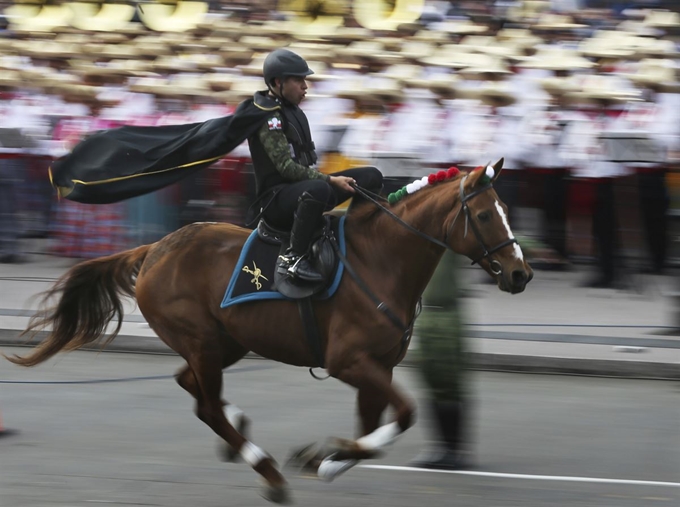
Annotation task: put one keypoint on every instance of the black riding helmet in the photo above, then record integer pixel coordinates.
(283, 63)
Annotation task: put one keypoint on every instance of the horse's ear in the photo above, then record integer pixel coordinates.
(483, 175)
(497, 168)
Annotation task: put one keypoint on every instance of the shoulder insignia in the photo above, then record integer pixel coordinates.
(274, 124)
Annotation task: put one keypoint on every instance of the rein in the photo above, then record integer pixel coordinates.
(381, 305)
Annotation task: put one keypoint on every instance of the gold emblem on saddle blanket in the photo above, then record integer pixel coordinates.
(257, 274)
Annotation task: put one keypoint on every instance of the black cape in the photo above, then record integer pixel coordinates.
(113, 165)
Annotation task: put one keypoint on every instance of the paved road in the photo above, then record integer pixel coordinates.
(136, 442)
(554, 326)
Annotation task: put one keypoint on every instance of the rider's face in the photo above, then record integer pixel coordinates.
(294, 89)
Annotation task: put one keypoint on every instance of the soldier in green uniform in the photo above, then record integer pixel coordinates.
(442, 364)
(292, 193)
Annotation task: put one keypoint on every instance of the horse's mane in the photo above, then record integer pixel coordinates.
(362, 210)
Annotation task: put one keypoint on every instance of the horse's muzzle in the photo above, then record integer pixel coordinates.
(516, 281)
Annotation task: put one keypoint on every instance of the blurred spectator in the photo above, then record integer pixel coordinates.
(87, 230)
(12, 168)
(602, 104)
(548, 167)
(442, 360)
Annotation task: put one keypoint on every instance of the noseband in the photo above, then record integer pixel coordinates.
(494, 265)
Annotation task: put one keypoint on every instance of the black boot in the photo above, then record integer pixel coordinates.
(296, 262)
(448, 453)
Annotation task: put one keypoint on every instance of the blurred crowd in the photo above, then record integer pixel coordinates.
(580, 98)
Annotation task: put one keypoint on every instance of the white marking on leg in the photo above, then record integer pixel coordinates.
(252, 454)
(234, 415)
(504, 218)
(380, 438)
(329, 468)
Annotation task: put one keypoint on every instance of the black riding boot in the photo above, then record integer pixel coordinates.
(448, 452)
(295, 262)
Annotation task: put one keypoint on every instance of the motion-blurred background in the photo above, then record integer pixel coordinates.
(580, 96)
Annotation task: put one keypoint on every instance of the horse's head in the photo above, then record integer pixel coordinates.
(479, 229)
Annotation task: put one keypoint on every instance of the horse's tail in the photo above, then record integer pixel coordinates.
(89, 297)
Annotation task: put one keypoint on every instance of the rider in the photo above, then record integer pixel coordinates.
(293, 193)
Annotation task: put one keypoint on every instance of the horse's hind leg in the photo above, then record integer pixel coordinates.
(207, 384)
(186, 379)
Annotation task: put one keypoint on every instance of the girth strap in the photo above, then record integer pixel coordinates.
(311, 330)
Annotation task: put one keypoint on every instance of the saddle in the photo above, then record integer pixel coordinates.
(322, 256)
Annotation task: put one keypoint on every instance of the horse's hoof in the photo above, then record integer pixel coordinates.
(329, 468)
(278, 494)
(302, 460)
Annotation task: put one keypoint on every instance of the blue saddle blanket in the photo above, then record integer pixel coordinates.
(253, 276)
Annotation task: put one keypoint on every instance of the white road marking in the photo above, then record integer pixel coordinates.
(515, 246)
(558, 478)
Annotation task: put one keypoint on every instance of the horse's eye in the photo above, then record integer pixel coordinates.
(484, 216)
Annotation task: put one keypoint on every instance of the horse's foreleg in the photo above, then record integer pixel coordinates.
(368, 376)
(371, 403)
(210, 409)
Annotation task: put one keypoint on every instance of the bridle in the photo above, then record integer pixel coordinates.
(494, 265)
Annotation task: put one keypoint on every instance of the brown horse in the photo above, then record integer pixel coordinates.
(179, 283)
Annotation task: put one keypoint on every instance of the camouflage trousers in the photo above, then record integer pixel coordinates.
(442, 354)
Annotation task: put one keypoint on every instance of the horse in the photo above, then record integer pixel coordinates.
(179, 281)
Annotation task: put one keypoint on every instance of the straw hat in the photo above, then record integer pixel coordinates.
(602, 89)
(451, 57)
(391, 43)
(259, 43)
(52, 50)
(556, 22)
(662, 19)
(414, 50)
(321, 72)
(460, 27)
(10, 79)
(220, 82)
(157, 49)
(656, 48)
(557, 58)
(406, 75)
(366, 51)
(496, 95)
(235, 54)
(598, 47)
(443, 85)
(387, 90)
(173, 64)
(484, 67)
(228, 28)
(186, 85)
(659, 75)
(242, 89)
(346, 35)
(355, 90)
(559, 86)
(254, 68)
(314, 51)
(528, 10)
(432, 36)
